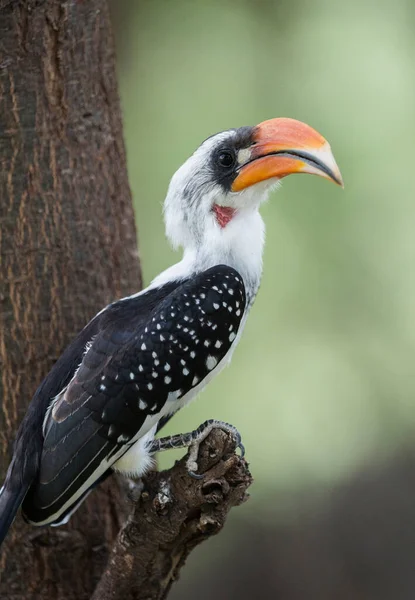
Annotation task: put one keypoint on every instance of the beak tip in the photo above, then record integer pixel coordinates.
(339, 180)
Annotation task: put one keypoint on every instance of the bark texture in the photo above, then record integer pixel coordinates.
(174, 514)
(67, 247)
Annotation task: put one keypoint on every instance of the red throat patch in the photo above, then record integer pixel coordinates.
(223, 214)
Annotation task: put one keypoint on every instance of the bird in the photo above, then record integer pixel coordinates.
(144, 357)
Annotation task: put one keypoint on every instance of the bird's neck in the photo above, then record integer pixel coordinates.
(238, 245)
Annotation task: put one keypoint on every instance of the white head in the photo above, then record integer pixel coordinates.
(211, 208)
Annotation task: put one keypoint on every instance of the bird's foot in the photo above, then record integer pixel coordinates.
(200, 434)
(193, 440)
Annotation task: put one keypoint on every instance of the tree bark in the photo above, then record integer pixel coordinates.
(67, 247)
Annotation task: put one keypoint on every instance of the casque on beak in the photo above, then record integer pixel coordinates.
(285, 146)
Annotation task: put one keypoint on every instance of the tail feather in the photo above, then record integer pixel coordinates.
(10, 501)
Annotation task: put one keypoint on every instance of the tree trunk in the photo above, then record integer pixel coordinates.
(67, 247)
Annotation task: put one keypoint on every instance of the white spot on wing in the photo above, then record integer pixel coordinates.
(211, 362)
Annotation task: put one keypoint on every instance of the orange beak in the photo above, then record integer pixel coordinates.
(285, 146)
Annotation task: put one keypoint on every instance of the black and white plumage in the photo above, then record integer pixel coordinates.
(144, 357)
(113, 399)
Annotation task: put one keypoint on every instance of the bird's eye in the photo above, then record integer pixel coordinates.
(226, 159)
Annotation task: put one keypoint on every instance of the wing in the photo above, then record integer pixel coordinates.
(27, 450)
(133, 375)
(29, 439)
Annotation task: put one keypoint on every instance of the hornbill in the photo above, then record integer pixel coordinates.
(142, 358)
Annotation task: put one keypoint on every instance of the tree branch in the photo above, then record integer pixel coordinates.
(174, 514)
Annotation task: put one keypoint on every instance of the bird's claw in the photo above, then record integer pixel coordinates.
(195, 475)
(191, 465)
(202, 434)
(238, 441)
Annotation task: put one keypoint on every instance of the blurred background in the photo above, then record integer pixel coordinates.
(322, 385)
